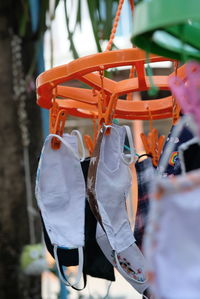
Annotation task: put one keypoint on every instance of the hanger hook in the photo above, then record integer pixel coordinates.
(175, 105)
(150, 119)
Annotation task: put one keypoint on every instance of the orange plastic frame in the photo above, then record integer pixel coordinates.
(82, 69)
(84, 103)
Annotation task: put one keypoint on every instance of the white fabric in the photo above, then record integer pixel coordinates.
(130, 263)
(172, 241)
(78, 134)
(60, 192)
(113, 181)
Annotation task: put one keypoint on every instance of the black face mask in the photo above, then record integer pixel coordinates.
(191, 157)
(95, 263)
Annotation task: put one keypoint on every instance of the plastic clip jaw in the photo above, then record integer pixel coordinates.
(153, 145)
(101, 100)
(101, 114)
(110, 111)
(176, 109)
(57, 124)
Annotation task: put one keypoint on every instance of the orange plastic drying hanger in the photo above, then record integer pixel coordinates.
(80, 70)
(84, 99)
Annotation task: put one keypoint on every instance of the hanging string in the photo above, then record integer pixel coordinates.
(150, 120)
(129, 95)
(101, 101)
(132, 5)
(115, 24)
(108, 290)
(95, 131)
(175, 106)
(109, 45)
(176, 67)
(51, 17)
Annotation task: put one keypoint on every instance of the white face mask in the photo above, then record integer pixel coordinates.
(60, 193)
(172, 240)
(109, 181)
(130, 262)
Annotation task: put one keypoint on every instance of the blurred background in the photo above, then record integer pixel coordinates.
(36, 35)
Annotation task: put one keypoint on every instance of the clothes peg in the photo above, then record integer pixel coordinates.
(101, 100)
(57, 123)
(176, 109)
(89, 143)
(153, 145)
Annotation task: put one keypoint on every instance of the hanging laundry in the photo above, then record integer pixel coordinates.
(95, 262)
(109, 181)
(60, 193)
(145, 175)
(130, 263)
(173, 166)
(172, 240)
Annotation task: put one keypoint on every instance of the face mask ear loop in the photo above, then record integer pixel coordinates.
(130, 139)
(80, 267)
(63, 279)
(132, 149)
(65, 143)
(124, 273)
(76, 132)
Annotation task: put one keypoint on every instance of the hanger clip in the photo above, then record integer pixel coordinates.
(57, 123)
